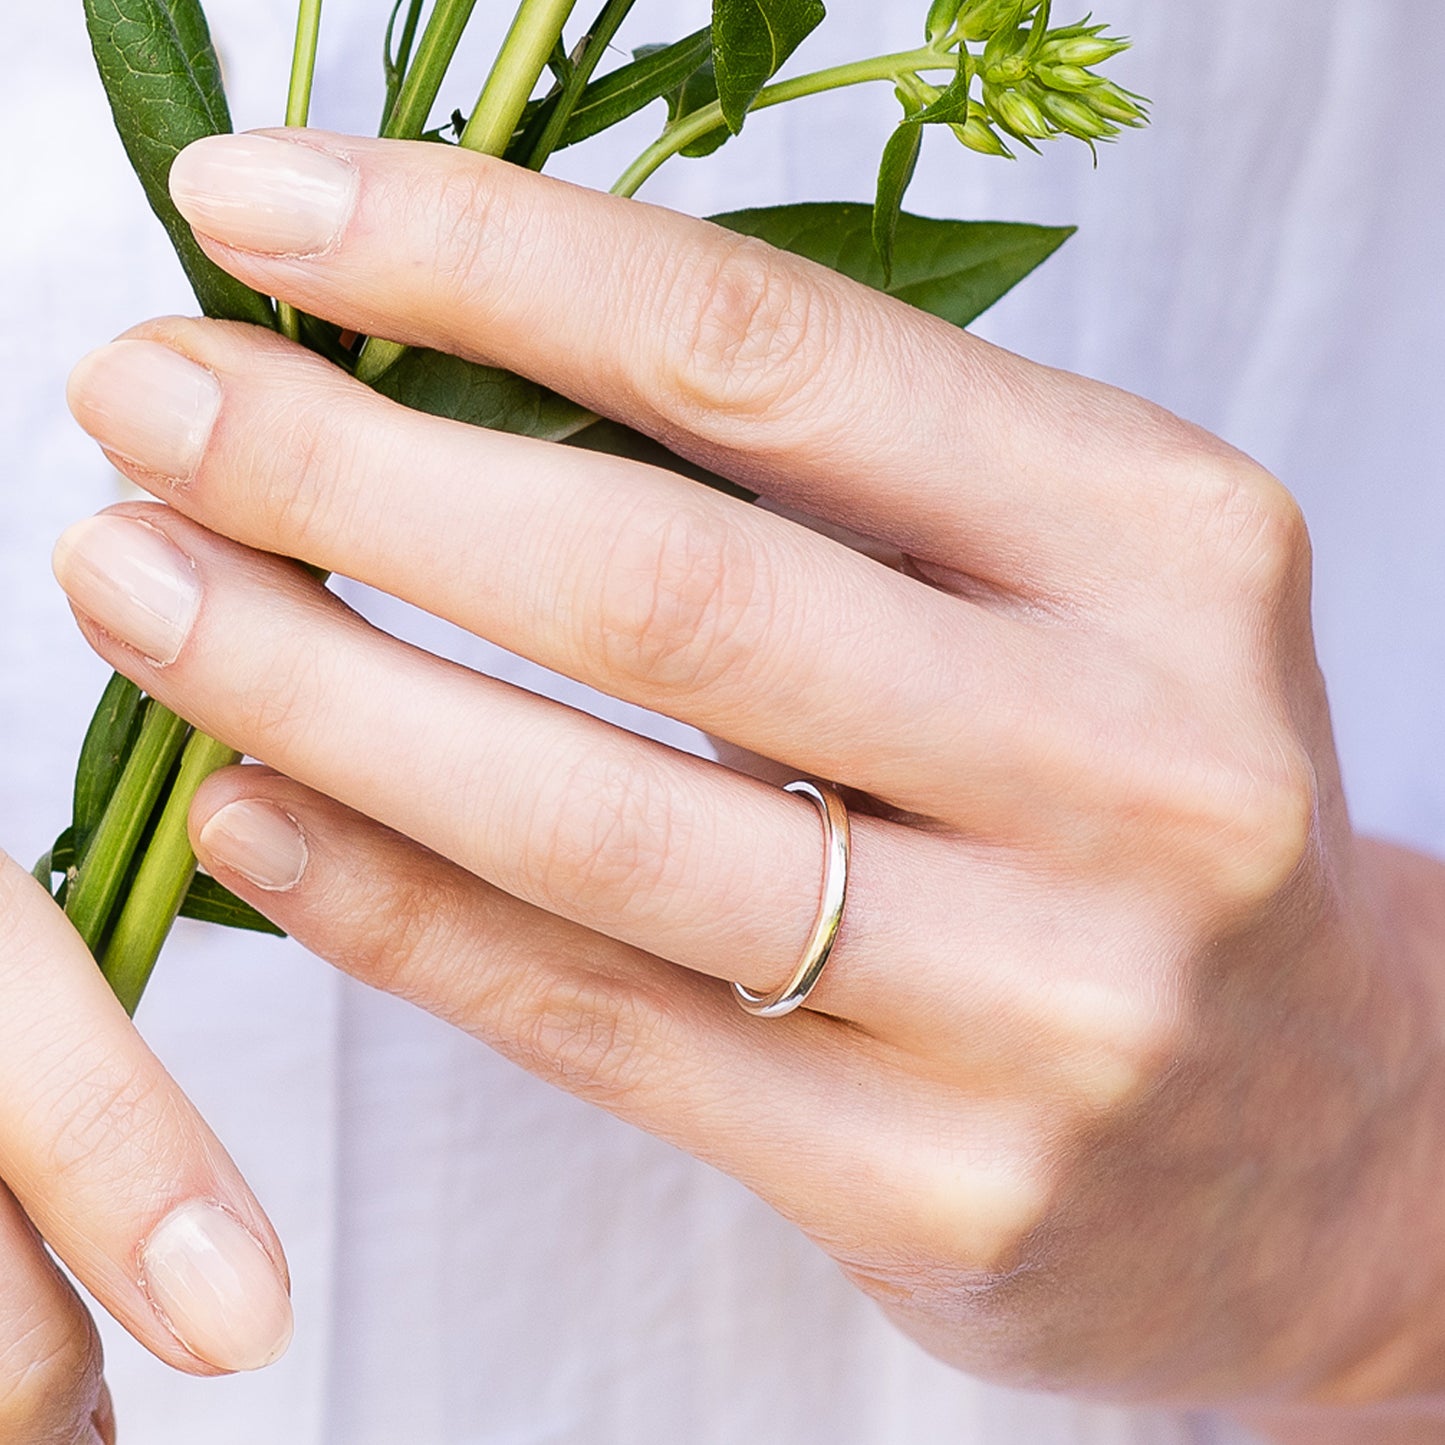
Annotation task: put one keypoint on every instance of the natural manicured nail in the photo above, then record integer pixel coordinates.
(131, 579)
(257, 193)
(260, 841)
(217, 1288)
(149, 404)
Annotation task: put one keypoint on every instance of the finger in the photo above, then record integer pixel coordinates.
(666, 851)
(50, 1355)
(627, 578)
(802, 1109)
(113, 1164)
(676, 856)
(767, 368)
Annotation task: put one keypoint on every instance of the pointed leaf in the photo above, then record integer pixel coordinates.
(696, 93)
(657, 71)
(447, 386)
(895, 175)
(751, 41)
(194, 34)
(953, 269)
(953, 106)
(108, 743)
(161, 76)
(210, 902)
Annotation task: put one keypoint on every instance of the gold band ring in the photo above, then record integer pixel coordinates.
(836, 846)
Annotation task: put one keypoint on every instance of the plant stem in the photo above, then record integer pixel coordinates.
(523, 57)
(439, 41)
(93, 892)
(678, 136)
(536, 29)
(594, 47)
(164, 877)
(298, 112)
(398, 61)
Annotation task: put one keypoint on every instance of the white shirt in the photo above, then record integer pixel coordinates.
(478, 1258)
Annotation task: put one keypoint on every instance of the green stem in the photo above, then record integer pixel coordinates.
(594, 47)
(399, 60)
(678, 136)
(298, 112)
(423, 82)
(163, 880)
(523, 57)
(535, 31)
(92, 895)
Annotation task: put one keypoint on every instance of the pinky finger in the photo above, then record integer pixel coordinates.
(50, 1359)
(786, 1106)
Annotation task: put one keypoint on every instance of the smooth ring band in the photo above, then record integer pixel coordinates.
(837, 841)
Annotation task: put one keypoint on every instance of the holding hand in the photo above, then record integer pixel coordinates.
(1122, 1075)
(103, 1159)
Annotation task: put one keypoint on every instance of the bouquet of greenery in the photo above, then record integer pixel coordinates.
(993, 74)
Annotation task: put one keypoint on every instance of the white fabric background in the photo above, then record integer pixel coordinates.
(477, 1258)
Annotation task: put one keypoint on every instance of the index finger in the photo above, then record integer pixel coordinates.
(767, 368)
(114, 1165)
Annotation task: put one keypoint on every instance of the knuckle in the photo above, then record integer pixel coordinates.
(612, 842)
(399, 933)
(749, 335)
(684, 599)
(474, 237)
(318, 448)
(108, 1111)
(49, 1365)
(594, 1036)
(282, 704)
(1250, 531)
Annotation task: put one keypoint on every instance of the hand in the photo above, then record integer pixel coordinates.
(104, 1159)
(1121, 1079)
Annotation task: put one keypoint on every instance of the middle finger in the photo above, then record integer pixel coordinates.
(625, 577)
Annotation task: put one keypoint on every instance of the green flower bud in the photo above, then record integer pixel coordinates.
(1081, 50)
(1072, 78)
(978, 135)
(1072, 114)
(1114, 103)
(1017, 114)
(941, 18)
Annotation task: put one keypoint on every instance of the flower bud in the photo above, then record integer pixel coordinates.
(1072, 114)
(1114, 103)
(941, 18)
(1016, 113)
(1081, 50)
(1072, 78)
(978, 135)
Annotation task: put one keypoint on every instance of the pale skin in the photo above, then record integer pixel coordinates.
(1125, 1076)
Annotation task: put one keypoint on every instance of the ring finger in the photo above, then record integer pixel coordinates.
(658, 849)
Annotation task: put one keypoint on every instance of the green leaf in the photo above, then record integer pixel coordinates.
(952, 269)
(108, 743)
(447, 386)
(657, 71)
(751, 41)
(953, 106)
(194, 35)
(895, 175)
(161, 75)
(65, 854)
(696, 93)
(209, 902)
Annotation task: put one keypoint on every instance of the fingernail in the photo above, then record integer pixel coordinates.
(257, 193)
(216, 1288)
(147, 403)
(260, 841)
(131, 579)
